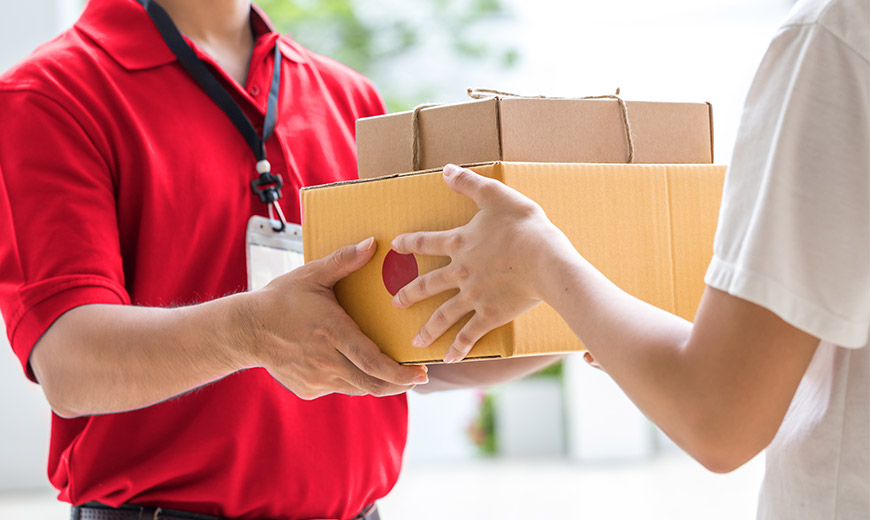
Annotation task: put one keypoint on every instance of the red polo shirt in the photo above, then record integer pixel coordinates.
(123, 183)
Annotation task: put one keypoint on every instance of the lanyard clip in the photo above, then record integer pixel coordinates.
(267, 186)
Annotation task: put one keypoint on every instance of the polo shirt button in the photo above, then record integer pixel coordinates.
(255, 90)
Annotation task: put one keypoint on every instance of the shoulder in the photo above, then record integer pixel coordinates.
(62, 77)
(66, 58)
(342, 82)
(846, 21)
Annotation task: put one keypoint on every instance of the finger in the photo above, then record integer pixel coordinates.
(344, 261)
(429, 243)
(482, 190)
(361, 383)
(422, 287)
(587, 357)
(368, 358)
(440, 322)
(466, 338)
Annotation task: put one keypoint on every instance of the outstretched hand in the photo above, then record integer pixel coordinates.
(498, 261)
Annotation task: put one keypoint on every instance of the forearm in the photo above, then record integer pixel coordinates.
(483, 373)
(110, 358)
(686, 390)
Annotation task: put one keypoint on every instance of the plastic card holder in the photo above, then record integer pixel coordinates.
(271, 254)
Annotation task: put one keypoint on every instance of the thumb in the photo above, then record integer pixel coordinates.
(344, 261)
(478, 188)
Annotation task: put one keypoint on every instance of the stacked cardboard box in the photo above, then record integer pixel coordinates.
(648, 227)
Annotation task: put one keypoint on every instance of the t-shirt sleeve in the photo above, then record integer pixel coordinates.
(794, 227)
(59, 245)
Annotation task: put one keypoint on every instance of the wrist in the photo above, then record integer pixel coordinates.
(241, 330)
(559, 275)
(552, 262)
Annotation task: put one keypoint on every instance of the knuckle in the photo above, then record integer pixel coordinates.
(419, 241)
(461, 272)
(488, 189)
(531, 208)
(486, 313)
(337, 259)
(455, 242)
(324, 334)
(463, 342)
(377, 388)
(366, 362)
(439, 318)
(320, 365)
(419, 286)
(473, 294)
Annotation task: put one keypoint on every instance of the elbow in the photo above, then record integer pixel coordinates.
(722, 449)
(59, 403)
(722, 461)
(58, 398)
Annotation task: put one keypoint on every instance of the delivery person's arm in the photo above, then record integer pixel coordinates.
(110, 358)
(720, 388)
(482, 373)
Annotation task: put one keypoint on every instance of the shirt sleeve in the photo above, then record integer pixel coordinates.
(794, 227)
(59, 245)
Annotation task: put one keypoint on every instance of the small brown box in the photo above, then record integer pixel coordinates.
(536, 130)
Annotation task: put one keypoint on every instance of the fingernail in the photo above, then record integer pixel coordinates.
(449, 170)
(421, 379)
(417, 341)
(587, 357)
(451, 357)
(365, 245)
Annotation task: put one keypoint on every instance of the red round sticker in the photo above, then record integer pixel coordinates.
(399, 270)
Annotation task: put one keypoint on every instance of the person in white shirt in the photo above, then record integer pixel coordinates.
(777, 356)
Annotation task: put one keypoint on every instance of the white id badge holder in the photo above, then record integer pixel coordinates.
(270, 253)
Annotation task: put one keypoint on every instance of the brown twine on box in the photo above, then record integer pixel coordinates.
(485, 93)
(415, 135)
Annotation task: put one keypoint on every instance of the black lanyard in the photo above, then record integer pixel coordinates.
(267, 186)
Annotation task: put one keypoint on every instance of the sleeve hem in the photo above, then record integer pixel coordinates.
(32, 322)
(793, 309)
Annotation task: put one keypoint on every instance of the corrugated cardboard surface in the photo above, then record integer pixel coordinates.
(536, 130)
(649, 228)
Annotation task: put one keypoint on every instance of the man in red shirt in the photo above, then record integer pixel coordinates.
(124, 200)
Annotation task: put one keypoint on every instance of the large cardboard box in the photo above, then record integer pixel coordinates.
(535, 130)
(649, 228)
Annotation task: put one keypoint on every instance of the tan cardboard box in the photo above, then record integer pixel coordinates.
(535, 130)
(649, 228)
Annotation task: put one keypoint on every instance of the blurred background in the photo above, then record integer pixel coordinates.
(565, 443)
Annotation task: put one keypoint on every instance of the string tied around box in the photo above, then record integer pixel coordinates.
(484, 93)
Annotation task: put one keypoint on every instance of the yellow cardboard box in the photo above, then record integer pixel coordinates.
(534, 130)
(647, 227)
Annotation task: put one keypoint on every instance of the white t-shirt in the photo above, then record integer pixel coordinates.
(794, 237)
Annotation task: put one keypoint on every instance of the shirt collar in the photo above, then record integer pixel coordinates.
(124, 30)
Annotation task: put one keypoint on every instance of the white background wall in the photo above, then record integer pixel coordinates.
(24, 415)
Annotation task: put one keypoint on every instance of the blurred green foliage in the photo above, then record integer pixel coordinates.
(482, 429)
(369, 36)
(554, 370)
